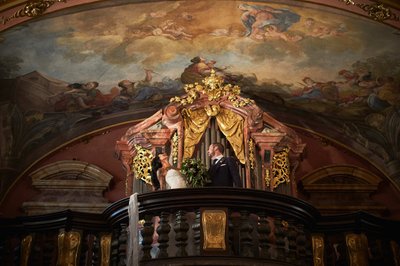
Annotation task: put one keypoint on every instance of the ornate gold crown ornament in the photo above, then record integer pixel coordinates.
(215, 89)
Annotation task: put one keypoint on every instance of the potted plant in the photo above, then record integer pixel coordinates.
(195, 173)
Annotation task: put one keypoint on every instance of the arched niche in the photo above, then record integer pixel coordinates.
(340, 189)
(68, 184)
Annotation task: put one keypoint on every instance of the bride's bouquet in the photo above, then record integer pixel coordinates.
(195, 173)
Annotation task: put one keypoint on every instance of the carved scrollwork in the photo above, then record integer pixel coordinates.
(175, 144)
(251, 153)
(318, 250)
(32, 9)
(141, 164)
(280, 168)
(215, 90)
(376, 11)
(214, 227)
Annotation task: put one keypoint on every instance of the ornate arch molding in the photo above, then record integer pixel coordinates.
(342, 188)
(69, 184)
(14, 12)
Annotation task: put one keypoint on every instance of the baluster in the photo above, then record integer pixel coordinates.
(301, 245)
(122, 245)
(246, 241)
(95, 251)
(147, 234)
(263, 231)
(279, 239)
(181, 228)
(292, 234)
(197, 233)
(114, 247)
(163, 238)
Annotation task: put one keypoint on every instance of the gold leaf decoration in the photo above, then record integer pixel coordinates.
(215, 89)
(141, 164)
(32, 9)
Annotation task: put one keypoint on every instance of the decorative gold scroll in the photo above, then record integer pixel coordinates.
(141, 164)
(26, 245)
(105, 243)
(33, 9)
(280, 168)
(214, 226)
(251, 153)
(68, 247)
(357, 247)
(175, 142)
(318, 250)
(195, 124)
(215, 89)
(377, 11)
(267, 177)
(231, 125)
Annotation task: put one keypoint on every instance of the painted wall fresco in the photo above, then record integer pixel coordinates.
(62, 71)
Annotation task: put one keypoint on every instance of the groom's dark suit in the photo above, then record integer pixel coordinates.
(225, 173)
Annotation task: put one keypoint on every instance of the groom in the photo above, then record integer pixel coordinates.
(224, 171)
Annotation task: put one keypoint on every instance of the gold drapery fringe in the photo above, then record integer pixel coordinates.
(231, 125)
(195, 124)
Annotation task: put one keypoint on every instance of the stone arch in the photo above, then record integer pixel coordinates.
(341, 188)
(68, 184)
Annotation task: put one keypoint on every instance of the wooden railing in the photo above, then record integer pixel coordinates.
(213, 226)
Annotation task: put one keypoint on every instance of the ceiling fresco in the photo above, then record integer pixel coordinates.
(60, 72)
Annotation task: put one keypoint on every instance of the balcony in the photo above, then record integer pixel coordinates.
(212, 226)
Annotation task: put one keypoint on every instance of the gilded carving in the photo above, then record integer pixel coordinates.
(280, 168)
(141, 164)
(68, 247)
(318, 247)
(26, 244)
(376, 11)
(214, 89)
(212, 110)
(175, 145)
(358, 249)
(267, 177)
(214, 226)
(32, 9)
(251, 153)
(348, 2)
(105, 242)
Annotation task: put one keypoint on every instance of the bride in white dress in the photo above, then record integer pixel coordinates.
(173, 177)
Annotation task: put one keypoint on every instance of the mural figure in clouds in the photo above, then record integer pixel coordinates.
(257, 18)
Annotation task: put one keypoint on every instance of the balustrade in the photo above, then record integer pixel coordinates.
(243, 227)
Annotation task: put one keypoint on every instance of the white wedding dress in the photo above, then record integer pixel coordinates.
(174, 179)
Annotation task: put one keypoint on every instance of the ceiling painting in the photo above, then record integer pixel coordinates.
(59, 72)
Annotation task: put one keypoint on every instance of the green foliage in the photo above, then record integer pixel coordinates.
(195, 172)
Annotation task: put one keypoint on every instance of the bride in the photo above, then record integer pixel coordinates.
(166, 174)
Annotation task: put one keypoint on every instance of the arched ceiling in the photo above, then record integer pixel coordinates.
(328, 67)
